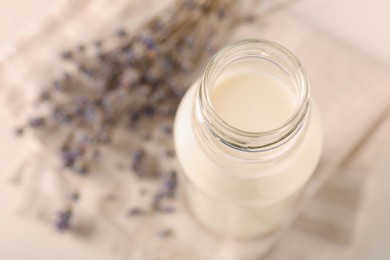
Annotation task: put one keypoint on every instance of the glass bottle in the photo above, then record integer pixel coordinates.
(244, 184)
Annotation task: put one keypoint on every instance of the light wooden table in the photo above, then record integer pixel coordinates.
(22, 238)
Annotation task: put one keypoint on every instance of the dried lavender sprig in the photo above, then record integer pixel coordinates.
(62, 222)
(156, 61)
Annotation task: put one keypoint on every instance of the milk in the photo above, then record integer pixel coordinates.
(250, 201)
(252, 101)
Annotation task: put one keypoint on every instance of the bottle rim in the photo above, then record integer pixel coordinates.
(240, 139)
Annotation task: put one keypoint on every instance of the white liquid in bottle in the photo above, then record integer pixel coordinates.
(252, 101)
(245, 200)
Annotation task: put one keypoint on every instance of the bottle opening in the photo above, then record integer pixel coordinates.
(250, 99)
(254, 95)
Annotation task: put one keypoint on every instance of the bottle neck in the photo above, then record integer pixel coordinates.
(222, 138)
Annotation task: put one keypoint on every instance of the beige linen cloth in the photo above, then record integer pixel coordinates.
(353, 95)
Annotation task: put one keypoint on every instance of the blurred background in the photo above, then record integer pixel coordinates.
(361, 25)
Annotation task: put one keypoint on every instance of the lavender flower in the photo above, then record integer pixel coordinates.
(62, 223)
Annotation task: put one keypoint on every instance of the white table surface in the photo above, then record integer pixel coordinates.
(362, 24)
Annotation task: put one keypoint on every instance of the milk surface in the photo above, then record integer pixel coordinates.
(252, 101)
